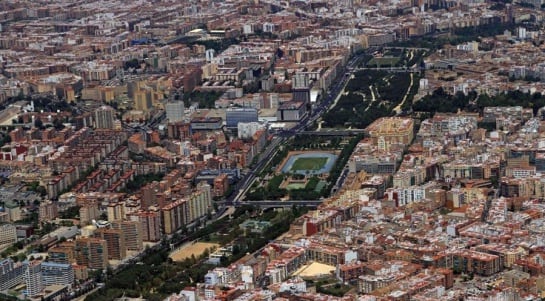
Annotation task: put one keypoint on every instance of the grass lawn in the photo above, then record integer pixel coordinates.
(320, 186)
(295, 186)
(332, 286)
(338, 289)
(309, 163)
(383, 61)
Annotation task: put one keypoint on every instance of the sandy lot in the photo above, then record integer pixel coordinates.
(192, 249)
(314, 269)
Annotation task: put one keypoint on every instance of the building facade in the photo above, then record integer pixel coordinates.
(8, 234)
(150, 222)
(175, 111)
(11, 274)
(57, 274)
(132, 233)
(104, 118)
(91, 252)
(233, 116)
(33, 278)
(115, 241)
(391, 130)
(48, 211)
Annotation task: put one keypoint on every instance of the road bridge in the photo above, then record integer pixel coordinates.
(408, 48)
(281, 204)
(354, 132)
(388, 69)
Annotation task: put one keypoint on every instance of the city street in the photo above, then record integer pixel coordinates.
(242, 187)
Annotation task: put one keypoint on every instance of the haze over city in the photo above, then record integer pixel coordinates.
(257, 150)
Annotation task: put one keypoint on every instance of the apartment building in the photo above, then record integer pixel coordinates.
(91, 252)
(350, 271)
(175, 111)
(175, 215)
(115, 242)
(62, 253)
(285, 264)
(48, 211)
(88, 213)
(132, 233)
(319, 221)
(391, 130)
(104, 118)
(33, 278)
(115, 211)
(57, 274)
(327, 254)
(469, 261)
(151, 223)
(8, 234)
(11, 273)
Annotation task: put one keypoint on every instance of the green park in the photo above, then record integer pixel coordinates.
(309, 163)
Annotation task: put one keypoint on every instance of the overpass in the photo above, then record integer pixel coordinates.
(388, 69)
(281, 204)
(403, 48)
(332, 133)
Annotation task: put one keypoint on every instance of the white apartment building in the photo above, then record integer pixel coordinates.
(8, 234)
(175, 111)
(33, 278)
(57, 274)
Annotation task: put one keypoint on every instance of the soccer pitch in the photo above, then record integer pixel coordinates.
(383, 61)
(308, 163)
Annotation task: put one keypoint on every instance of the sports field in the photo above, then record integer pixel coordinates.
(383, 61)
(293, 186)
(308, 163)
(314, 269)
(189, 249)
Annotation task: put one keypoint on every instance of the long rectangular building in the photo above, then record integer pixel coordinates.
(11, 274)
(57, 274)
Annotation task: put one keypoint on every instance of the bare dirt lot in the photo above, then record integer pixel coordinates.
(191, 248)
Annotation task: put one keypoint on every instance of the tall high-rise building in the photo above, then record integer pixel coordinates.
(200, 202)
(301, 87)
(33, 278)
(14, 211)
(116, 211)
(88, 212)
(8, 234)
(185, 149)
(151, 224)
(57, 274)
(80, 272)
(132, 232)
(149, 195)
(62, 253)
(11, 273)
(221, 184)
(48, 211)
(133, 87)
(91, 252)
(175, 111)
(174, 216)
(115, 242)
(300, 80)
(142, 100)
(209, 53)
(104, 117)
